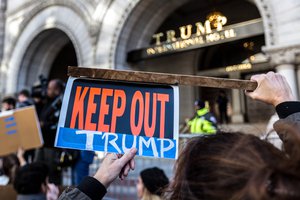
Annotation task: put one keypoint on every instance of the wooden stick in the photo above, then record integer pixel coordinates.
(161, 78)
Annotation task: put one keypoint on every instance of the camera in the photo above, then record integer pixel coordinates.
(40, 89)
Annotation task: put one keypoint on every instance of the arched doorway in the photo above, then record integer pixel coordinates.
(208, 60)
(49, 54)
(65, 57)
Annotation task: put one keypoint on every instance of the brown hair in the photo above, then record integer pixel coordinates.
(149, 196)
(10, 165)
(233, 166)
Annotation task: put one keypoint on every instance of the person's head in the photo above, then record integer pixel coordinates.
(23, 95)
(8, 103)
(222, 93)
(36, 96)
(55, 88)
(151, 183)
(31, 179)
(233, 166)
(199, 104)
(10, 165)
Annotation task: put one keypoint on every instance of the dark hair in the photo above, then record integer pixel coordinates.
(200, 103)
(233, 166)
(222, 92)
(30, 178)
(10, 166)
(154, 179)
(9, 100)
(59, 84)
(25, 93)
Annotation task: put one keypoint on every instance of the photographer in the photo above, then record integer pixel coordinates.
(50, 112)
(49, 116)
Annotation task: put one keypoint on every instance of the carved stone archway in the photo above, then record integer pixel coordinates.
(60, 18)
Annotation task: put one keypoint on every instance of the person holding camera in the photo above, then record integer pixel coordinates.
(49, 117)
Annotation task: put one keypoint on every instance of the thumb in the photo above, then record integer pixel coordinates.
(127, 156)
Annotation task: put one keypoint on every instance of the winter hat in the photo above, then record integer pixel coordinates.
(154, 180)
(200, 103)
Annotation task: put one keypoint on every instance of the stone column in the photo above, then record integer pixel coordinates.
(298, 78)
(237, 115)
(288, 71)
(2, 26)
(284, 61)
(3, 4)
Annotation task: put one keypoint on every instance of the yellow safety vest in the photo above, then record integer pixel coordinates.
(201, 123)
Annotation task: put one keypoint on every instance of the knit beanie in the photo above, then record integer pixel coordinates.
(200, 103)
(154, 180)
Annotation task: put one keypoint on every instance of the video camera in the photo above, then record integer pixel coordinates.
(40, 89)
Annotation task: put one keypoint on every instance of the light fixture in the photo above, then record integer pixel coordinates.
(217, 20)
(248, 45)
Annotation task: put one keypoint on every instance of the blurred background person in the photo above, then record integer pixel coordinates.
(39, 93)
(222, 102)
(24, 99)
(8, 103)
(49, 117)
(271, 135)
(81, 167)
(31, 183)
(10, 164)
(50, 113)
(151, 183)
(203, 122)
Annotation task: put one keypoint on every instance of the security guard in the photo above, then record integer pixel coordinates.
(203, 122)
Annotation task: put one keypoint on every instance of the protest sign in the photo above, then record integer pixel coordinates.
(19, 128)
(111, 116)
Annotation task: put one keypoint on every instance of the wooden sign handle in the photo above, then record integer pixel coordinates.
(161, 78)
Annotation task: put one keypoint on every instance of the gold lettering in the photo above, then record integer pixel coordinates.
(189, 42)
(200, 30)
(186, 31)
(182, 45)
(238, 67)
(159, 49)
(221, 20)
(207, 27)
(150, 51)
(176, 45)
(171, 36)
(229, 33)
(213, 37)
(232, 33)
(157, 37)
(203, 35)
(199, 40)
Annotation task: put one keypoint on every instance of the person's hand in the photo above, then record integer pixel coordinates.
(272, 88)
(52, 191)
(20, 155)
(115, 165)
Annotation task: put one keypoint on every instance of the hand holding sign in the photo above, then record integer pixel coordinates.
(112, 166)
(272, 89)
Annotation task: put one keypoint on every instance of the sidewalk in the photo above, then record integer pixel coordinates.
(251, 128)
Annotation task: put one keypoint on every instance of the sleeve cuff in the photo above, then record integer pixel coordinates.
(92, 188)
(287, 108)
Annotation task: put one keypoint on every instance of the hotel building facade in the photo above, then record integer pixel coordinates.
(219, 38)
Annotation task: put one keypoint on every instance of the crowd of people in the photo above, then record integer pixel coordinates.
(217, 165)
(47, 104)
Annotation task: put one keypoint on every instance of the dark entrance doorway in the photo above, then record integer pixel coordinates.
(66, 57)
(49, 54)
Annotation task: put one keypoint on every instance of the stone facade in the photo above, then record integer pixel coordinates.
(103, 31)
